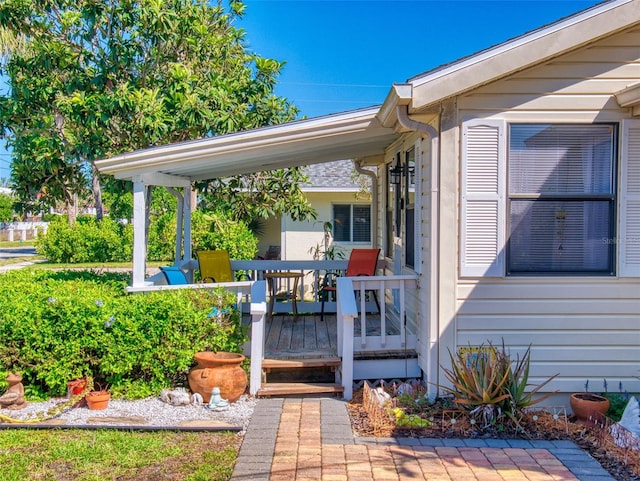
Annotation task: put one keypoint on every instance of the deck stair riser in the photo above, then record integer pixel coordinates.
(300, 376)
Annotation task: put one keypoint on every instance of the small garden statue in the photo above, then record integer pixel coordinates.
(180, 397)
(13, 398)
(216, 402)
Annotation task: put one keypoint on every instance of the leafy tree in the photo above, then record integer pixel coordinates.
(100, 78)
(6, 207)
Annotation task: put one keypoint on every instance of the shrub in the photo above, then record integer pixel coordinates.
(86, 241)
(215, 230)
(162, 238)
(66, 325)
(491, 385)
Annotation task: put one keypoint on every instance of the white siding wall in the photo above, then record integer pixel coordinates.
(301, 237)
(580, 327)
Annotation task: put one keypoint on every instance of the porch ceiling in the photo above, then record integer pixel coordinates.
(349, 135)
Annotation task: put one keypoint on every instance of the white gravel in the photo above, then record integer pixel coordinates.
(153, 410)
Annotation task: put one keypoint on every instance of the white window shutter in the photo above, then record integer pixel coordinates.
(482, 230)
(629, 234)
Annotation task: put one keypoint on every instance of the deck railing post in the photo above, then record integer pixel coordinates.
(347, 312)
(258, 314)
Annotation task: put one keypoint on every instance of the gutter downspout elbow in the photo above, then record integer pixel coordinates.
(402, 111)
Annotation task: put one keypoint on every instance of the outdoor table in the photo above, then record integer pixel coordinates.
(291, 293)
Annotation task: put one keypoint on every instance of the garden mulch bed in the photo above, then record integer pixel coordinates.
(552, 424)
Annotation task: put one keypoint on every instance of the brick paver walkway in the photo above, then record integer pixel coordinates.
(311, 439)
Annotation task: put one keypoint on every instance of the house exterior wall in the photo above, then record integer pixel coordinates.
(583, 328)
(270, 235)
(301, 238)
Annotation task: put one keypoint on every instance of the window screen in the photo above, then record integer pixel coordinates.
(561, 198)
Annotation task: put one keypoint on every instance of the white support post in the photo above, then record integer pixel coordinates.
(187, 207)
(139, 235)
(347, 311)
(258, 315)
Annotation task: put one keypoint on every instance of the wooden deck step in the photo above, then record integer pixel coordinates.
(301, 363)
(298, 388)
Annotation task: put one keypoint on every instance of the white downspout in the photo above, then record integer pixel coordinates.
(402, 112)
(374, 200)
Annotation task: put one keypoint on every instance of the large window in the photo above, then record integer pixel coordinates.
(561, 202)
(352, 223)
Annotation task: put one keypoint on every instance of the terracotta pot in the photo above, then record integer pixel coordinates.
(218, 369)
(98, 400)
(588, 407)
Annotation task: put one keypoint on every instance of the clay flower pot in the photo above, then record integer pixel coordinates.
(588, 407)
(218, 369)
(98, 400)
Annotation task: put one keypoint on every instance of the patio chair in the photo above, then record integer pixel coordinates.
(362, 262)
(215, 266)
(174, 275)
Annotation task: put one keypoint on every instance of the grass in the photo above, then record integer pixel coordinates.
(18, 243)
(92, 455)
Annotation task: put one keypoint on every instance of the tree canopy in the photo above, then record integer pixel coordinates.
(95, 78)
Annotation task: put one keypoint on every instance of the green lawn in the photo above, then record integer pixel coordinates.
(93, 455)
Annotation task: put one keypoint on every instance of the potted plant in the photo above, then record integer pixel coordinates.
(98, 399)
(588, 407)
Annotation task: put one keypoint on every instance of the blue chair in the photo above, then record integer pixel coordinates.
(174, 275)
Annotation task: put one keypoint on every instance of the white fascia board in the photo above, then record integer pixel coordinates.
(525, 51)
(400, 94)
(281, 139)
(332, 190)
(165, 180)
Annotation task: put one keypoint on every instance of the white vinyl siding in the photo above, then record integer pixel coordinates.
(577, 87)
(585, 328)
(629, 236)
(581, 328)
(483, 206)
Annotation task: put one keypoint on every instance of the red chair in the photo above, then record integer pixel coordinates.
(362, 262)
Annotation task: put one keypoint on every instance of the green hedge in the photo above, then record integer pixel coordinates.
(109, 241)
(63, 325)
(86, 241)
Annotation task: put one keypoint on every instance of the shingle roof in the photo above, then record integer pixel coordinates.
(334, 176)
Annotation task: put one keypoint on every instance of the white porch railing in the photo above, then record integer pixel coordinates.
(391, 291)
(388, 327)
(258, 312)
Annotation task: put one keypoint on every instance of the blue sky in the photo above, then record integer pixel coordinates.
(344, 55)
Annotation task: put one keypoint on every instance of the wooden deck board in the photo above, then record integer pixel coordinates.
(323, 339)
(286, 334)
(310, 334)
(307, 336)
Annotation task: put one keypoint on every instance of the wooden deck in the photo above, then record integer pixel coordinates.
(306, 336)
(301, 336)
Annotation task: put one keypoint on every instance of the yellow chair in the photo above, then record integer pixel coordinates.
(215, 266)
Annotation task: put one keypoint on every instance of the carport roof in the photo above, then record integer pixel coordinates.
(349, 135)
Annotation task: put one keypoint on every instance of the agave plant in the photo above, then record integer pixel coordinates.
(490, 385)
(478, 383)
(518, 382)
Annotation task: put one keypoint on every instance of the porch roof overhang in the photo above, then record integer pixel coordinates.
(349, 135)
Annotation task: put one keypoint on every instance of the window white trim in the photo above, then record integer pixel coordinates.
(351, 223)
